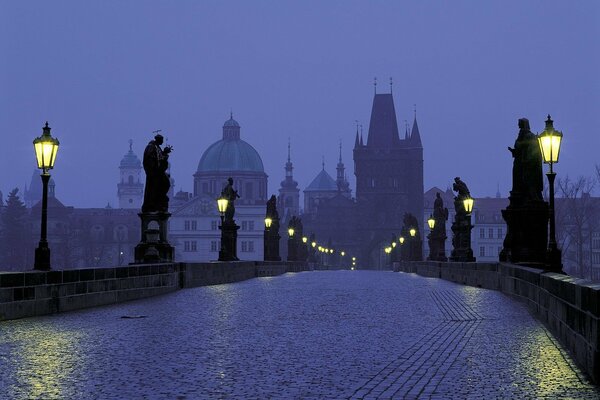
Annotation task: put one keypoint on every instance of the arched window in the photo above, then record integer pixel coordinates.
(130, 179)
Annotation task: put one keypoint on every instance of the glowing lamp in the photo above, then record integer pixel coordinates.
(222, 203)
(412, 232)
(291, 232)
(268, 222)
(468, 203)
(304, 239)
(394, 244)
(401, 239)
(331, 251)
(353, 258)
(46, 148)
(388, 250)
(343, 253)
(313, 244)
(549, 141)
(431, 222)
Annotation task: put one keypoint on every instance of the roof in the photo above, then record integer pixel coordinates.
(323, 182)
(231, 123)
(230, 155)
(130, 160)
(383, 127)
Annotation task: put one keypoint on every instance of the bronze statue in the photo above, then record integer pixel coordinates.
(230, 194)
(528, 180)
(156, 163)
(440, 214)
(272, 208)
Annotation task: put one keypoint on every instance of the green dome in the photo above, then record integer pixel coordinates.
(230, 155)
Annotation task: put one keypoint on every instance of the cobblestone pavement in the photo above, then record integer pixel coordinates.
(320, 335)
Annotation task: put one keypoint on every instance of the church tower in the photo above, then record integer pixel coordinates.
(130, 189)
(389, 177)
(289, 194)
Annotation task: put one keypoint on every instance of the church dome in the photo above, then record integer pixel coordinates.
(230, 153)
(130, 160)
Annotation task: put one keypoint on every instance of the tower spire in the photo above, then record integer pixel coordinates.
(375, 84)
(289, 158)
(323, 163)
(130, 144)
(391, 85)
(340, 150)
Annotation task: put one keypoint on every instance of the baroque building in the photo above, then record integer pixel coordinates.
(130, 189)
(194, 225)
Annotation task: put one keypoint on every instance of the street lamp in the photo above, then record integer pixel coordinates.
(431, 222)
(222, 203)
(412, 232)
(304, 239)
(291, 232)
(343, 253)
(46, 148)
(268, 222)
(468, 204)
(550, 141)
(314, 244)
(401, 239)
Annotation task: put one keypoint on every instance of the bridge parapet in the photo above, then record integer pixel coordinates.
(568, 306)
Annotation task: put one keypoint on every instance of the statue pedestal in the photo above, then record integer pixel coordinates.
(437, 246)
(154, 246)
(461, 239)
(228, 250)
(526, 240)
(271, 246)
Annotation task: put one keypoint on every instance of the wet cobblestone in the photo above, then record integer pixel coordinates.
(320, 335)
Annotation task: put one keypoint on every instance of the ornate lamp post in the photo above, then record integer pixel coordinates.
(224, 253)
(461, 227)
(550, 141)
(46, 148)
(433, 250)
(292, 247)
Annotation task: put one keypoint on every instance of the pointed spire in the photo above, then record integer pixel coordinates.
(288, 165)
(405, 130)
(130, 144)
(323, 163)
(340, 151)
(361, 136)
(289, 158)
(415, 136)
(391, 85)
(375, 84)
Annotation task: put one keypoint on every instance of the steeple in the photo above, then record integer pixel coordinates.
(288, 164)
(383, 127)
(356, 141)
(415, 136)
(341, 181)
(361, 137)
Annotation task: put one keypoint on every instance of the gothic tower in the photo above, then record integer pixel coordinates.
(389, 178)
(130, 189)
(341, 181)
(289, 194)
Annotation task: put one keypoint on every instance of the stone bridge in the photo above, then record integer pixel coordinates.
(270, 333)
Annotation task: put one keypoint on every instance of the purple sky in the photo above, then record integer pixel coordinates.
(106, 71)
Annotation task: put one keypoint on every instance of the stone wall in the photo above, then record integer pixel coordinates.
(26, 294)
(569, 307)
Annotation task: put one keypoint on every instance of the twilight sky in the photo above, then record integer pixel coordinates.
(104, 72)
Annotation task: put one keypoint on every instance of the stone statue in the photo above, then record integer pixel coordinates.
(440, 214)
(230, 194)
(272, 208)
(462, 189)
(528, 180)
(156, 163)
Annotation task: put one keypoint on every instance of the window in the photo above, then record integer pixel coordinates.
(491, 233)
(194, 245)
(244, 247)
(373, 183)
(186, 245)
(186, 225)
(482, 251)
(499, 233)
(194, 225)
(214, 246)
(213, 225)
(244, 225)
(481, 233)
(595, 258)
(249, 190)
(130, 179)
(250, 225)
(251, 247)
(205, 187)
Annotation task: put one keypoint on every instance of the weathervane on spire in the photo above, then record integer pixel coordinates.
(415, 106)
(375, 84)
(323, 164)
(231, 113)
(391, 85)
(130, 144)
(340, 150)
(289, 150)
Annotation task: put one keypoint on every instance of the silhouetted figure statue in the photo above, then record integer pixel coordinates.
(526, 216)
(437, 237)
(230, 194)
(440, 214)
(462, 189)
(156, 163)
(412, 248)
(271, 236)
(272, 208)
(528, 179)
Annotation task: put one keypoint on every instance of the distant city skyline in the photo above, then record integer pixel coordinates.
(104, 73)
